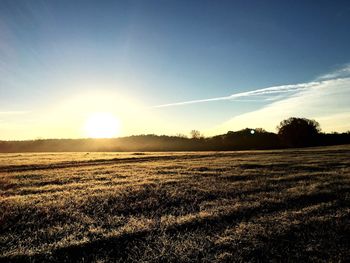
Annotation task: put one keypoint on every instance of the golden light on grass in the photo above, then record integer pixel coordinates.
(102, 125)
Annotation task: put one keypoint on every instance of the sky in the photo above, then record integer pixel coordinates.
(168, 67)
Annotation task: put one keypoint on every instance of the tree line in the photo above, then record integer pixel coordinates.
(292, 132)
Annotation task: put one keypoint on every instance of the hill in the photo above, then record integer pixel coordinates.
(246, 139)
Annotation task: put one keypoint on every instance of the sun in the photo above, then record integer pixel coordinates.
(102, 125)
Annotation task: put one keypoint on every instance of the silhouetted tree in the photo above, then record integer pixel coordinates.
(195, 134)
(260, 130)
(298, 132)
(181, 135)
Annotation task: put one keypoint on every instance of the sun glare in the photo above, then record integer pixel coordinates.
(102, 125)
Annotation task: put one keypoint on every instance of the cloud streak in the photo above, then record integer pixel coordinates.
(326, 102)
(343, 72)
(274, 90)
(324, 99)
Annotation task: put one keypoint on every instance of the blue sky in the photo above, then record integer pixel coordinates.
(64, 60)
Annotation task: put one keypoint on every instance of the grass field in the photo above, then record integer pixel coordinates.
(285, 205)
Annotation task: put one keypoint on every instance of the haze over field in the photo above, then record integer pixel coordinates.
(77, 69)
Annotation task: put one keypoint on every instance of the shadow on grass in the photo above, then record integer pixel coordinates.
(327, 239)
(118, 248)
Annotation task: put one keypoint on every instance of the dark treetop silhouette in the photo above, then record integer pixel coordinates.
(298, 132)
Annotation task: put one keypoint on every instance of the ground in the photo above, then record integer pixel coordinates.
(284, 205)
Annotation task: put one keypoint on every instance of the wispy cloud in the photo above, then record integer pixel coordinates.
(327, 102)
(342, 72)
(274, 90)
(324, 99)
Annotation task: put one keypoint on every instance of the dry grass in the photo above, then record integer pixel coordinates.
(290, 205)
